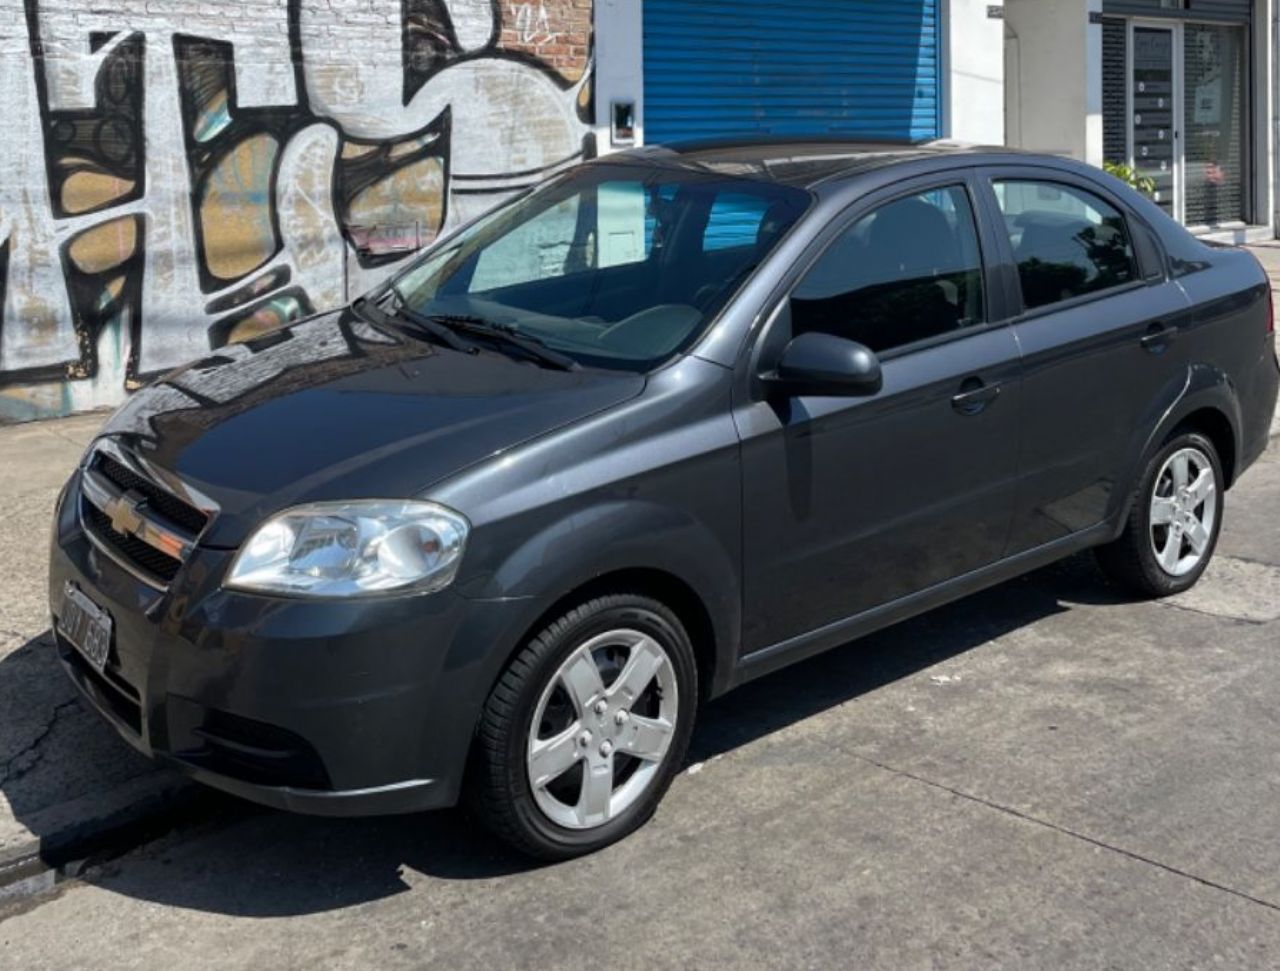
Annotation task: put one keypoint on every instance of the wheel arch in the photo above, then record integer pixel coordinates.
(1210, 403)
(1205, 399)
(1214, 425)
(690, 564)
(661, 585)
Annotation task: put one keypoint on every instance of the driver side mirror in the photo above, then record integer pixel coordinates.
(826, 365)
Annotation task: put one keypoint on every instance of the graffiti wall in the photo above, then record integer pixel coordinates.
(178, 175)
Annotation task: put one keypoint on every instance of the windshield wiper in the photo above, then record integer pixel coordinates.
(428, 325)
(445, 329)
(370, 308)
(535, 347)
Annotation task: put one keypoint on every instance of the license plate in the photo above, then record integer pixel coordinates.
(86, 625)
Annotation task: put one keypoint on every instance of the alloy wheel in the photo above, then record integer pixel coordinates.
(602, 728)
(1184, 511)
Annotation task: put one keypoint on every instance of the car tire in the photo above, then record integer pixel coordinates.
(553, 735)
(1162, 552)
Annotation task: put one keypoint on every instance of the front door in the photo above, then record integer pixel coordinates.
(850, 503)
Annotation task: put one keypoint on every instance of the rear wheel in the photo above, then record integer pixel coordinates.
(1174, 521)
(586, 728)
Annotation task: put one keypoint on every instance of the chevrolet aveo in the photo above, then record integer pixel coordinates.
(675, 419)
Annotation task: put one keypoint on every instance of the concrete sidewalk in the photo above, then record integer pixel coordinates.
(1045, 774)
(67, 781)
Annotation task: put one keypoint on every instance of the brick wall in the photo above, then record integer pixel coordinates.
(177, 174)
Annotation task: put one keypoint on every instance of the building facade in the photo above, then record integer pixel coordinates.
(1180, 90)
(878, 69)
(177, 175)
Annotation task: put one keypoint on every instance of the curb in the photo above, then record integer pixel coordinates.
(72, 835)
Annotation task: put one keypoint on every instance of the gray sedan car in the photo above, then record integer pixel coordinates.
(669, 422)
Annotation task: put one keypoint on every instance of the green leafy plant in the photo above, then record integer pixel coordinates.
(1129, 175)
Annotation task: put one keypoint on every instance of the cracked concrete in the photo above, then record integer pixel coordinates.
(1235, 588)
(61, 769)
(26, 759)
(1083, 837)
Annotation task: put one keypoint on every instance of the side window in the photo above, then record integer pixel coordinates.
(910, 270)
(1066, 241)
(734, 221)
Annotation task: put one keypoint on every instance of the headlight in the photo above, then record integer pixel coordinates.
(353, 549)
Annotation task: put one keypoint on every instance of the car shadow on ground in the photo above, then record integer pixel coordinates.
(233, 858)
(63, 772)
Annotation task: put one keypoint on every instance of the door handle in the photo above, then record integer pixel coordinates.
(1158, 337)
(974, 396)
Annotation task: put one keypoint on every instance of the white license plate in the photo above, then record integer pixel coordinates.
(86, 625)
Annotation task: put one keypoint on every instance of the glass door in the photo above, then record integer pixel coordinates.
(1153, 108)
(1214, 126)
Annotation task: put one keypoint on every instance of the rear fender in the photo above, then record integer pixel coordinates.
(1203, 386)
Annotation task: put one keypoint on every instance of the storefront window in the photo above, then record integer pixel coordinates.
(1214, 102)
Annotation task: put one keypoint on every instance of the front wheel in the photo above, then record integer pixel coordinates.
(1174, 521)
(586, 728)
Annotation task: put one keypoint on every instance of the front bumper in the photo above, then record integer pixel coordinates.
(325, 707)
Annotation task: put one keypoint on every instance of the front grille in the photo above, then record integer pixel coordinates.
(159, 565)
(136, 520)
(162, 501)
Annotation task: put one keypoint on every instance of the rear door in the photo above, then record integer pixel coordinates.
(850, 503)
(1097, 322)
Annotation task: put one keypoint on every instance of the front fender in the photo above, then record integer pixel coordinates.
(618, 535)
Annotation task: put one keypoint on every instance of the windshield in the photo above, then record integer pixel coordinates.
(615, 266)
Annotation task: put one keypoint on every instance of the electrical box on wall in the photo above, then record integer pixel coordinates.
(622, 128)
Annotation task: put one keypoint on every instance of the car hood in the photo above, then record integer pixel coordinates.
(337, 408)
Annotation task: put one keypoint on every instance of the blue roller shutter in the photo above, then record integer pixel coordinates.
(868, 68)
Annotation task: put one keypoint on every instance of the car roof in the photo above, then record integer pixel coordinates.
(804, 163)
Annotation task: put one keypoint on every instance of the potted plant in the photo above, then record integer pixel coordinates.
(1129, 175)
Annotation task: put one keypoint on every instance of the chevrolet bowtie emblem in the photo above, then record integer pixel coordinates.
(124, 515)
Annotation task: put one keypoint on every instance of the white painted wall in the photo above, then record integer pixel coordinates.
(1055, 77)
(973, 73)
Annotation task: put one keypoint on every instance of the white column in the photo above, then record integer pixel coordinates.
(1266, 33)
(619, 65)
(973, 73)
(1093, 86)
(1054, 87)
